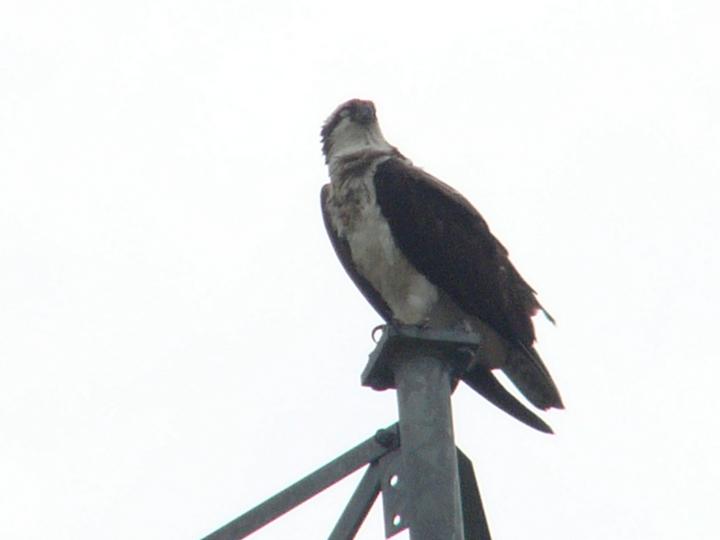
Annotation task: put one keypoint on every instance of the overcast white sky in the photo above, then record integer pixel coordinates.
(178, 341)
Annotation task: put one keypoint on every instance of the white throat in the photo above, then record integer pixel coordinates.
(349, 138)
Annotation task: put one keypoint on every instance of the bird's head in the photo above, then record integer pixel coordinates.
(352, 127)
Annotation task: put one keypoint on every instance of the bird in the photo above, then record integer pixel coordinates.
(423, 256)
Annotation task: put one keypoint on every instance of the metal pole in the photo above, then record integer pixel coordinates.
(430, 466)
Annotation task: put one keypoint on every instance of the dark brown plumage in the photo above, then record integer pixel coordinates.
(443, 238)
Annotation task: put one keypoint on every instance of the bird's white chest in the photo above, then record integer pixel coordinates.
(356, 216)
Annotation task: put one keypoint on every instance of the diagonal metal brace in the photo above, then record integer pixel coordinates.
(383, 442)
(381, 476)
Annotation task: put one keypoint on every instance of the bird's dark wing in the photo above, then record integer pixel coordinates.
(448, 241)
(480, 380)
(342, 249)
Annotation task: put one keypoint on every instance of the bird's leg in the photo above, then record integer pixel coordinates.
(392, 323)
(424, 324)
(398, 326)
(471, 357)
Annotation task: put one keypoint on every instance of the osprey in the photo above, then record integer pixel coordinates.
(421, 254)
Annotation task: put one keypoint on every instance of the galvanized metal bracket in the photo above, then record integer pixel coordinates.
(399, 341)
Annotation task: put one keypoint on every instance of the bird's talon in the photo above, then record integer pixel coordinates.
(375, 330)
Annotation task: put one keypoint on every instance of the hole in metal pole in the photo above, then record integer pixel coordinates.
(397, 520)
(394, 479)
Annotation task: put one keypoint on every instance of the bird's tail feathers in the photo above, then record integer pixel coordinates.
(484, 383)
(528, 373)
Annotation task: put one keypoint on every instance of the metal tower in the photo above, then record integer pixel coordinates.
(428, 485)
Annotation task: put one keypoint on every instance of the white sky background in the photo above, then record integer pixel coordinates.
(178, 340)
